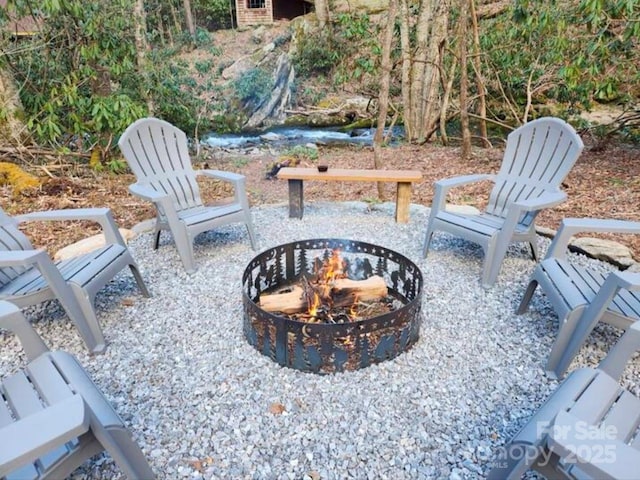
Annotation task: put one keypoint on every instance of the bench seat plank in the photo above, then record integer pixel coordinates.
(350, 175)
(403, 179)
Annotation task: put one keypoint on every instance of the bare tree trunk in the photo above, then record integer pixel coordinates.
(426, 65)
(419, 68)
(383, 97)
(405, 47)
(11, 127)
(142, 47)
(322, 12)
(191, 26)
(432, 93)
(176, 22)
(464, 80)
(231, 18)
(480, 86)
(445, 102)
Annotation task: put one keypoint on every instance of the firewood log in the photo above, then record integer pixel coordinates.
(339, 293)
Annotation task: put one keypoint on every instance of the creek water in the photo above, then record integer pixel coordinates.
(283, 137)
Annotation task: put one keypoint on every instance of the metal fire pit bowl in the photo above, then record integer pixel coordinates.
(329, 347)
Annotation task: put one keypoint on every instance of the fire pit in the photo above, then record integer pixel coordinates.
(341, 331)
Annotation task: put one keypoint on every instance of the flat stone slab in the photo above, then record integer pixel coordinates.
(87, 244)
(606, 250)
(462, 209)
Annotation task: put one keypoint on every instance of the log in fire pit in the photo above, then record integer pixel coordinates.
(329, 305)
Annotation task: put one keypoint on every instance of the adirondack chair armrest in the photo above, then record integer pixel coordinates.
(149, 194)
(40, 259)
(615, 362)
(12, 319)
(547, 200)
(442, 187)
(162, 201)
(571, 226)
(102, 216)
(29, 438)
(594, 450)
(237, 180)
(516, 210)
(220, 175)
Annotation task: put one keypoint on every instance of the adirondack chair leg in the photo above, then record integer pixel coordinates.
(514, 461)
(534, 250)
(184, 244)
(139, 280)
(124, 451)
(560, 357)
(427, 239)
(252, 234)
(528, 295)
(90, 331)
(493, 256)
(548, 464)
(156, 242)
(90, 447)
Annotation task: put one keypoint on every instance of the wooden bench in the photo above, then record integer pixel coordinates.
(403, 179)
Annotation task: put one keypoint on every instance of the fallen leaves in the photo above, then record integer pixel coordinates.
(277, 408)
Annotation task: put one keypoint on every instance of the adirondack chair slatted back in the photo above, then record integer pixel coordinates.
(538, 157)
(11, 239)
(157, 153)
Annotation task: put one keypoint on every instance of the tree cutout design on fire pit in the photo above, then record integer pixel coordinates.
(334, 342)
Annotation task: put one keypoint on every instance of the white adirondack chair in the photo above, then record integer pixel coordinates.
(587, 428)
(157, 153)
(537, 158)
(29, 276)
(582, 296)
(53, 417)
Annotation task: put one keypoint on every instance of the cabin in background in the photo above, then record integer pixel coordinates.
(19, 27)
(265, 12)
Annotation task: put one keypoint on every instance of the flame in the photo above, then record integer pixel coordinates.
(315, 304)
(353, 309)
(332, 268)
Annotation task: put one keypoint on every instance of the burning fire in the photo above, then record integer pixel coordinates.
(332, 269)
(315, 304)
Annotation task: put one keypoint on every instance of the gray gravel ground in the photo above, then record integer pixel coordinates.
(198, 398)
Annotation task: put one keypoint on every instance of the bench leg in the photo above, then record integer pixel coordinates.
(403, 198)
(296, 199)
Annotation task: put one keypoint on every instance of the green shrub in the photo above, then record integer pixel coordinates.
(253, 87)
(301, 152)
(315, 55)
(204, 67)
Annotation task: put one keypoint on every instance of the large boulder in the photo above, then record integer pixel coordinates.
(606, 250)
(273, 109)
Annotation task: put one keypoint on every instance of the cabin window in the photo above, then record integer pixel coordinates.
(255, 4)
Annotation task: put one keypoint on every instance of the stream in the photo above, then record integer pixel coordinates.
(286, 137)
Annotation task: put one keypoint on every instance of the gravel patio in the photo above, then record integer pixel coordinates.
(203, 403)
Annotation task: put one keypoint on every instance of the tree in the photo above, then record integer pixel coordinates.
(464, 80)
(77, 76)
(322, 12)
(477, 67)
(383, 97)
(140, 34)
(11, 127)
(422, 66)
(188, 16)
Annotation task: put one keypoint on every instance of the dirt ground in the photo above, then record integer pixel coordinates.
(603, 184)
